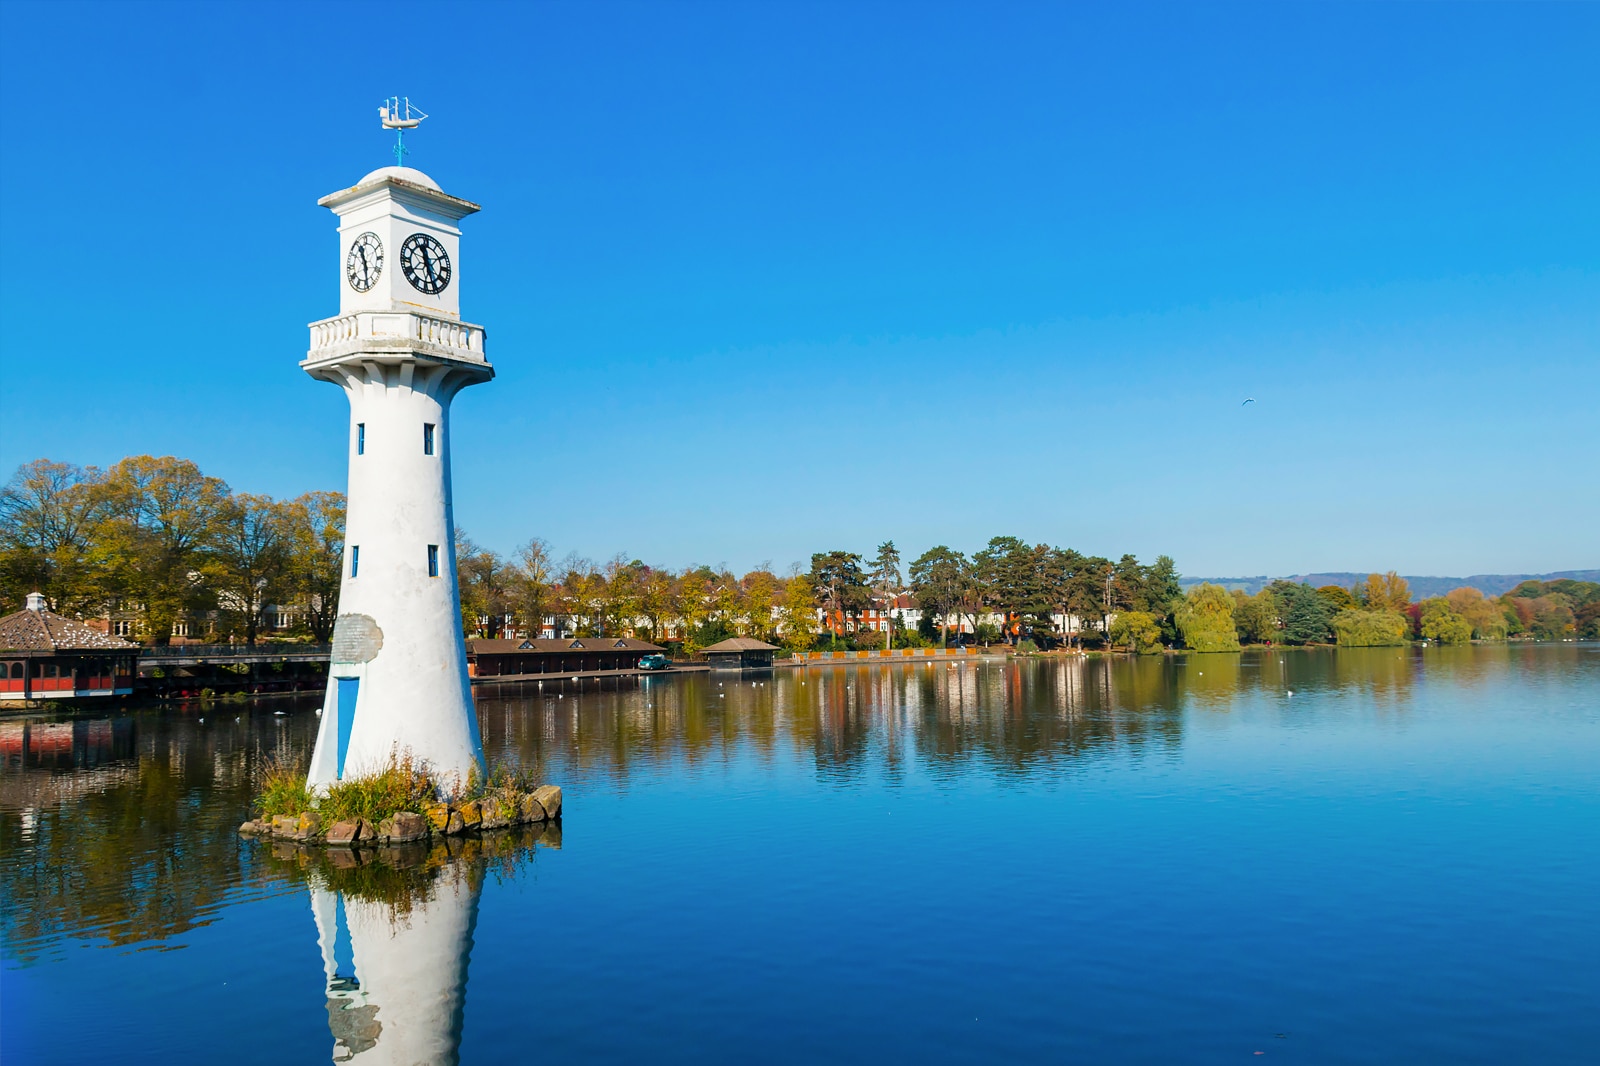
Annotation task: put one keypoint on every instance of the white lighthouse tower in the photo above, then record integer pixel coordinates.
(397, 680)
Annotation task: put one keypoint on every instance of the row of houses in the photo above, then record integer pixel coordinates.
(881, 616)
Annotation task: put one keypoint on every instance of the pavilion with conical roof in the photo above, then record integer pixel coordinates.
(47, 656)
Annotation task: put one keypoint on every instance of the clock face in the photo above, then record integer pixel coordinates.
(425, 263)
(364, 263)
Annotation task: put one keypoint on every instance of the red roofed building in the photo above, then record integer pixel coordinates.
(44, 656)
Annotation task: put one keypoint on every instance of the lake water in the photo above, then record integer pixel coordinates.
(1384, 856)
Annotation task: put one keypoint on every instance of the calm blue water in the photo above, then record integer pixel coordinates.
(1106, 861)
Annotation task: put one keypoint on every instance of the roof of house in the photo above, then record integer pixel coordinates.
(550, 647)
(36, 629)
(740, 644)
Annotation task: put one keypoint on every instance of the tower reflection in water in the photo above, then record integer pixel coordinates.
(395, 928)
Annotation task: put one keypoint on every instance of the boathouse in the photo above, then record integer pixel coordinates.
(45, 656)
(572, 655)
(740, 653)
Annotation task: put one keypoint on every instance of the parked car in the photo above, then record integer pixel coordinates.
(655, 662)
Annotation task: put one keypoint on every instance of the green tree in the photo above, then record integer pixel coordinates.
(939, 579)
(1163, 591)
(840, 586)
(1303, 615)
(1008, 572)
(1255, 618)
(1205, 618)
(1358, 628)
(1137, 630)
(885, 579)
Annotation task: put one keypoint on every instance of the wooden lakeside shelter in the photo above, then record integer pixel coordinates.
(488, 659)
(740, 653)
(44, 655)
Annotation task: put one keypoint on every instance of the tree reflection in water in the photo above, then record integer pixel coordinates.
(122, 830)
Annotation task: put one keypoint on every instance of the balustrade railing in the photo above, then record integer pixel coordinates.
(445, 333)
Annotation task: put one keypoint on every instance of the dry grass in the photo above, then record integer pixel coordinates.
(283, 789)
(403, 785)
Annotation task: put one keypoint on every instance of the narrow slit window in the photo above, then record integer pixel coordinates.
(427, 438)
(355, 559)
(433, 560)
(361, 438)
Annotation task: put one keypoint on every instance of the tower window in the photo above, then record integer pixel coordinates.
(355, 559)
(427, 438)
(361, 438)
(433, 560)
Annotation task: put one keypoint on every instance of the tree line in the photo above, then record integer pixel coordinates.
(157, 540)
(1380, 612)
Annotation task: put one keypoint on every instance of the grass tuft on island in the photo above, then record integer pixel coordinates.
(400, 801)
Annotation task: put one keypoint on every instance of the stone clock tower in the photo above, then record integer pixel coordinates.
(397, 682)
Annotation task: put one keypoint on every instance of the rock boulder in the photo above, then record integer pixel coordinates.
(549, 797)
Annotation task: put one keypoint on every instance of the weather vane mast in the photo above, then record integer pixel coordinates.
(397, 114)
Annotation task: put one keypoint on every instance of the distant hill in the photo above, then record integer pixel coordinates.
(1421, 587)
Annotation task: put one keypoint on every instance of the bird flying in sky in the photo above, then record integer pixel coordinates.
(1250, 400)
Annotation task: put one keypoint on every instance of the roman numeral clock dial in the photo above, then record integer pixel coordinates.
(364, 263)
(425, 264)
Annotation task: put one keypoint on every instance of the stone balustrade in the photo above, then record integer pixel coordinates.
(385, 330)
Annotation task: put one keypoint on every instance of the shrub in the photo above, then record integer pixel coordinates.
(1027, 647)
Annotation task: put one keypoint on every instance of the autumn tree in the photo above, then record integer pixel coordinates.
(48, 512)
(762, 592)
(159, 517)
(799, 612)
(249, 557)
(314, 568)
(486, 585)
(1485, 616)
(531, 584)
(1443, 625)
(1384, 592)
(1337, 598)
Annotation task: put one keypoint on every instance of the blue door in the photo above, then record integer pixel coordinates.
(347, 715)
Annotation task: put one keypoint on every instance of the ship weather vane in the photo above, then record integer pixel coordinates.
(397, 114)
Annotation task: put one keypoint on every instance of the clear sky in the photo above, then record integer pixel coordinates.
(762, 280)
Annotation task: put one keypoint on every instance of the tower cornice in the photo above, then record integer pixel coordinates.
(412, 193)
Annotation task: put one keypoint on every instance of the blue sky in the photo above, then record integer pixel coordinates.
(762, 280)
